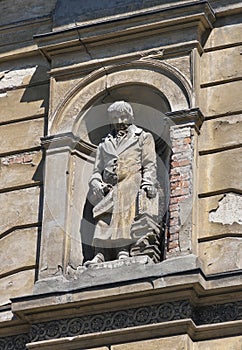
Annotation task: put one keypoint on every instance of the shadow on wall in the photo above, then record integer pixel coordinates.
(38, 90)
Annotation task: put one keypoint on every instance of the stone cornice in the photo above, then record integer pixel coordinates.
(198, 16)
(144, 332)
(17, 38)
(59, 141)
(187, 303)
(164, 304)
(68, 142)
(78, 299)
(191, 116)
(156, 55)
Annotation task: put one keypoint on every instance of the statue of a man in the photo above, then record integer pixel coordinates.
(125, 164)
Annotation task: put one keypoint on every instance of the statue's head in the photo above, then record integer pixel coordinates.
(121, 115)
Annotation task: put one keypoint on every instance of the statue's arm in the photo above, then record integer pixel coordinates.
(149, 166)
(96, 182)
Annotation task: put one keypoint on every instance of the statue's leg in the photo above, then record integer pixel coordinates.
(98, 258)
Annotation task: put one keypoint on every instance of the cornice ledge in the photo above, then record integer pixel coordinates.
(191, 116)
(228, 9)
(144, 332)
(155, 55)
(68, 142)
(198, 14)
(57, 297)
(59, 141)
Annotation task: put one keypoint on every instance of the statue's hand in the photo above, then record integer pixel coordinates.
(151, 191)
(100, 189)
(97, 188)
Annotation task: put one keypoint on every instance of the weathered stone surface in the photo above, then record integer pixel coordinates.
(18, 38)
(211, 229)
(220, 171)
(19, 208)
(19, 249)
(124, 273)
(114, 264)
(21, 169)
(185, 234)
(21, 135)
(73, 13)
(221, 65)
(221, 255)
(233, 343)
(18, 284)
(69, 118)
(25, 9)
(221, 132)
(22, 207)
(221, 99)
(103, 348)
(225, 6)
(6, 316)
(180, 342)
(55, 231)
(59, 91)
(223, 36)
(182, 63)
(23, 103)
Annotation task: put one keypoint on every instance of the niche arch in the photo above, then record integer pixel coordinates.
(158, 75)
(149, 106)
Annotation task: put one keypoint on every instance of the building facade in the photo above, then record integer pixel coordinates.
(179, 64)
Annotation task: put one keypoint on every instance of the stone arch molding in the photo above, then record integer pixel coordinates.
(158, 75)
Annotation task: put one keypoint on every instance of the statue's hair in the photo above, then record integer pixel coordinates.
(121, 107)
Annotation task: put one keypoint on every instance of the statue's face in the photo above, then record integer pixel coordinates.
(121, 121)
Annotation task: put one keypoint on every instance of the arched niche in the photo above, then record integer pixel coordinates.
(75, 129)
(149, 106)
(158, 76)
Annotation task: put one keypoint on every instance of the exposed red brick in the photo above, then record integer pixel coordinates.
(175, 178)
(180, 192)
(174, 237)
(174, 229)
(174, 200)
(174, 221)
(174, 207)
(28, 158)
(174, 214)
(173, 245)
(181, 163)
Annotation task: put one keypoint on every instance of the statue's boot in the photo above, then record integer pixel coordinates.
(99, 258)
(123, 254)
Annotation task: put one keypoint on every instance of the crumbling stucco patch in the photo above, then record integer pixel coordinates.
(16, 77)
(229, 210)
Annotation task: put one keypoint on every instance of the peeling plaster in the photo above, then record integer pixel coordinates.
(13, 78)
(236, 119)
(229, 210)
